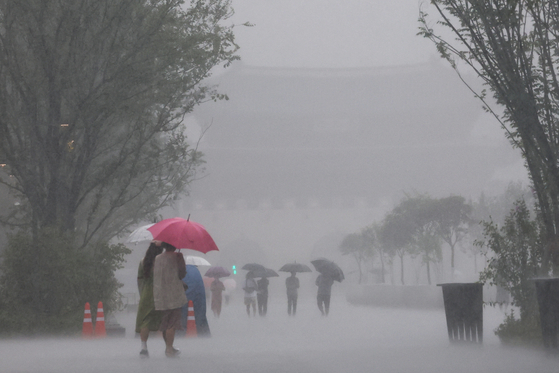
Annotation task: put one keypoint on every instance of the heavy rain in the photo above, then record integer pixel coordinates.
(339, 116)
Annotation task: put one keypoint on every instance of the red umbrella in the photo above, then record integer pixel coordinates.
(183, 234)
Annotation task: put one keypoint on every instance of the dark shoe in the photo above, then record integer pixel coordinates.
(144, 354)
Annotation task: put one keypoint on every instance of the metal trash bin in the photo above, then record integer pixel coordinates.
(463, 305)
(547, 292)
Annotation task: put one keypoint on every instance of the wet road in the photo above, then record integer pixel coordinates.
(351, 339)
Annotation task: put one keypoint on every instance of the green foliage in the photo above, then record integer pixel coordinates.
(515, 257)
(45, 284)
(93, 96)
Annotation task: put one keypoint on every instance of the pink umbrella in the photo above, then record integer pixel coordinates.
(183, 234)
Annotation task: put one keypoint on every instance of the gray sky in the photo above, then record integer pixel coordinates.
(330, 33)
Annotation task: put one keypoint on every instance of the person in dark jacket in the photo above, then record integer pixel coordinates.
(324, 284)
(262, 295)
(292, 284)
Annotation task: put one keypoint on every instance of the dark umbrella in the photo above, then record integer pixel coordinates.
(267, 272)
(217, 272)
(254, 267)
(328, 268)
(295, 267)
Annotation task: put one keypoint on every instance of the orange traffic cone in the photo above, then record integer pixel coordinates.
(87, 330)
(191, 321)
(100, 331)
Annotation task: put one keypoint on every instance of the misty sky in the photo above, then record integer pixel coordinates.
(330, 33)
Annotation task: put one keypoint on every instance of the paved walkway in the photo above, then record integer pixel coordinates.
(351, 339)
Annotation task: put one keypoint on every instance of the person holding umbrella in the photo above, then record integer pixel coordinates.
(147, 318)
(250, 287)
(324, 284)
(329, 272)
(217, 288)
(292, 284)
(262, 295)
(168, 293)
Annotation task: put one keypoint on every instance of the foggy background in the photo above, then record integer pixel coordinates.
(335, 112)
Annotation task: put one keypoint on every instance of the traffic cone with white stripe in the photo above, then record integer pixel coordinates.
(100, 331)
(191, 321)
(87, 329)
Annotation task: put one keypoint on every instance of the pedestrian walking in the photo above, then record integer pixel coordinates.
(324, 284)
(147, 318)
(168, 293)
(217, 287)
(292, 286)
(196, 293)
(262, 296)
(250, 287)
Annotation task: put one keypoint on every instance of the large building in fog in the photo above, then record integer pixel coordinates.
(321, 153)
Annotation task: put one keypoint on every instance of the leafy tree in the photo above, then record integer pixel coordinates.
(396, 236)
(423, 213)
(453, 218)
(372, 237)
(512, 46)
(92, 99)
(495, 209)
(354, 244)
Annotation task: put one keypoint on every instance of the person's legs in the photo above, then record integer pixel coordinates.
(289, 304)
(170, 321)
(327, 304)
(260, 301)
(294, 305)
(144, 335)
(319, 303)
(265, 305)
(169, 340)
(253, 306)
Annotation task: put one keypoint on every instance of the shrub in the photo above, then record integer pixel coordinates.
(45, 283)
(520, 332)
(514, 259)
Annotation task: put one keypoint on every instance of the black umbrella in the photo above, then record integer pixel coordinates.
(266, 272)
(295, 267)
(328, 268)
(254, 267)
